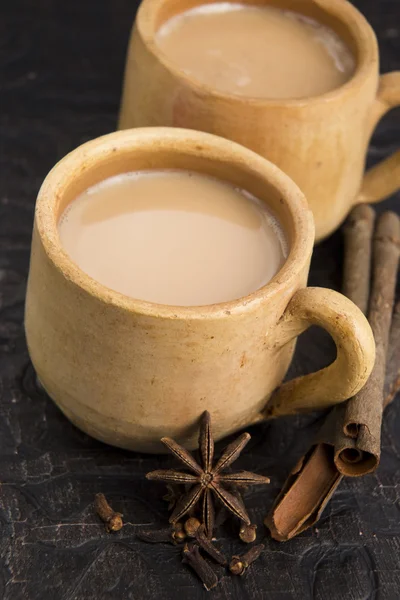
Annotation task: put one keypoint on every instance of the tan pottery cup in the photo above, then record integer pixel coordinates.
(320, 142)
(129, 372)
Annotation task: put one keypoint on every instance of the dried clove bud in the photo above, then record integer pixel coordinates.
(191, 526)
(178, 532)
(193, 558)
(169, 535)
(206, 544)
(113, 520)
(248, 533)
(239, 564)
(156, 536)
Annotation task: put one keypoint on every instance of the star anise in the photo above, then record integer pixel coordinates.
(208, 479)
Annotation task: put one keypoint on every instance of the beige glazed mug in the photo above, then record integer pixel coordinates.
(320, 142)
(127, 371)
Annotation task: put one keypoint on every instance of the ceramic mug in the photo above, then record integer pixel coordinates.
(128, 371)
(320, 142)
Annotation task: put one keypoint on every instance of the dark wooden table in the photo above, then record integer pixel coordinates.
(61, 67)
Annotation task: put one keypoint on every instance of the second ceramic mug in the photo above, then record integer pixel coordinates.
(320, 142)
(127, 371)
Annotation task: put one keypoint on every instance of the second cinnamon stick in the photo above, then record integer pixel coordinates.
(357, 447)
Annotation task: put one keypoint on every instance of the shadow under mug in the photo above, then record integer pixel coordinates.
(320, 142)
(128, 371)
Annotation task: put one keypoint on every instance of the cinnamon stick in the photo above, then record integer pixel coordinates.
(357, 446)
(392, 379)
(357, 232)
(305, 494)
(313, 481)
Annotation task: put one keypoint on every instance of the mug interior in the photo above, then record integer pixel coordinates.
(165, 148)
(339, 15)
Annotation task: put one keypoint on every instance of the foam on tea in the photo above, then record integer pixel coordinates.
(255, 51)
(173, 237)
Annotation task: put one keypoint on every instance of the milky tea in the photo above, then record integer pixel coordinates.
(173, 237)
(261, 52)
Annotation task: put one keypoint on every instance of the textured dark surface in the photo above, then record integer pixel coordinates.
(61, 66)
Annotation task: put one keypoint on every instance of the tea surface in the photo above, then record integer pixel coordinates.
(262, 52)
(173, 237)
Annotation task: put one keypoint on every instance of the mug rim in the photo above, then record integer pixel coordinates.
(88, 156)
(361, 31)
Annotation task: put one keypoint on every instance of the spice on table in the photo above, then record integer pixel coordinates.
(357, 445)
(315, 478)
(206, 544)
(113, 520)
(178, 532)
(200, 566)
(248, 533)
(207, 479)
(239, 564)
(156, 536)
(191, 526)
(392, 379)
(357, 232)
(304, 494)
(173, 534)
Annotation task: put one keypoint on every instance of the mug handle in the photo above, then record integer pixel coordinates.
(355, 358)
(383, 179)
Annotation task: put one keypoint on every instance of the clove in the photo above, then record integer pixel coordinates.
(172, 535)
(206, 544)
(113, 520)
(191, 526)
(239, 564)
(200, 566)
(178, 532)
(248, 533)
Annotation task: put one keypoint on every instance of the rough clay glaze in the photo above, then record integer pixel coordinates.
(320, 142)
(128, 372)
